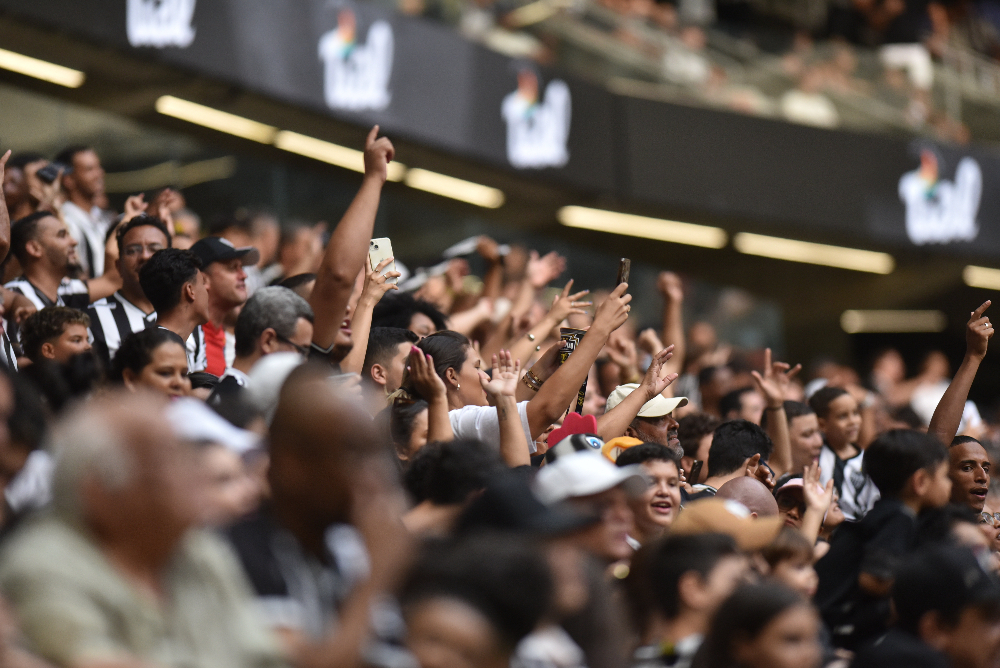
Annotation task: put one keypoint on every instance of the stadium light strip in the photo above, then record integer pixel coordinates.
(331, 153)
(874, 321)
(981, 277)
(328, 152)
(449, 186)
(41, 69)
(792, 250)
(631, 225)
(223, 121)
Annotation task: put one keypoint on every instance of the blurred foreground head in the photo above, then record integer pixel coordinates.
(122, 473)
(319, 440)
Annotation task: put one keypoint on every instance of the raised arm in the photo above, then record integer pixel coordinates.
(376, 285)
(563, 306)
(559, 390)
(613, 423)
(500, 389)
(430, 386)
(948, 414)
(818, 498)
(4, 213)
(774, 385)
(346, 252)
(670, 287)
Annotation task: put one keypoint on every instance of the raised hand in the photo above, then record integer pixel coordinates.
(650, 341)
(669, 285)
(377, 284)
(613, 311)
(488, 249)
(425, 379)
(652, 383)
(978, 331)
(135, 205)
(565, 304)
(776, 380)
(622, 352)
(543, 270)
(379, 152)
(506, 372)
(817, 496)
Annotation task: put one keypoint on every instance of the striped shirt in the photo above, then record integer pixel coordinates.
(857, 491)
(115, 317)
(7, 356)
(72, 292)
(197, 359)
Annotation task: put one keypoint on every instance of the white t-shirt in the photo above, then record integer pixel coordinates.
(481, 423)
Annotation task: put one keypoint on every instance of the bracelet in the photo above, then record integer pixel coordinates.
(532, 381)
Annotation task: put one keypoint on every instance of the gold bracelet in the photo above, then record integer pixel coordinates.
(532, 381)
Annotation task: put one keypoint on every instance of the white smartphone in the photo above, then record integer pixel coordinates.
(378, 250)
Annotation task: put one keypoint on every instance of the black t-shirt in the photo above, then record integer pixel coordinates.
(898, 649)
(875, 546)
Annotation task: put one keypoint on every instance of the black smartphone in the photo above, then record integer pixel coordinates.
(695, 473)
(50, 172)
(623, 270)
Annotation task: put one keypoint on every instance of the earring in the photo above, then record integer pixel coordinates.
(458, 386)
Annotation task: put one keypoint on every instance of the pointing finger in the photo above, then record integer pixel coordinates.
(978, 313)
(371, 137)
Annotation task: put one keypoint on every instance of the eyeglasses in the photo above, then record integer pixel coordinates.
(302, 350)
(137, 249)
(993, 519)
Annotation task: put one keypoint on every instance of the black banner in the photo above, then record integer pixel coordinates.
(421, 80)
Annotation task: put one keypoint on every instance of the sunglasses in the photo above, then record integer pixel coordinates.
(787, 502)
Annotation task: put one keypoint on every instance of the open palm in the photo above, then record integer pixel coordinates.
(506, 372)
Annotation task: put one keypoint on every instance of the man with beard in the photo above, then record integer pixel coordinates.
(47, 253)
(128, 310)
(83, 182)
(655, 421)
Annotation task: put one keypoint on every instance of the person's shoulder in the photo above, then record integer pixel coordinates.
(897, 648)
(18, 284)
(45, 546)
(72, 286)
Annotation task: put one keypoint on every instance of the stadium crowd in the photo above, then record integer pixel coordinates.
(256, 449)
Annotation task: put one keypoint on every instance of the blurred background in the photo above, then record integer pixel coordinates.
(823, 174)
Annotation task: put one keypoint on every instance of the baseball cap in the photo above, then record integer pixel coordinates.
(727, 517)
(585, 473)
(943, 578)
(217, 249)
(193, 420)
(658, 406)
(508, 504)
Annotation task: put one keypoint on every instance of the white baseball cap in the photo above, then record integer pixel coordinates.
(658, 406)
(192, 420)
(585, 473)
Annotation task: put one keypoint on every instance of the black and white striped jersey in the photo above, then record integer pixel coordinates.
(72, 292)
(115, 317)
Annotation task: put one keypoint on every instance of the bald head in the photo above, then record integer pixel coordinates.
(320, 439)
(121, 471)
(752, 493)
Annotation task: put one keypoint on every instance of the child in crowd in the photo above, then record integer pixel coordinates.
(790, 561)
(841, 458)
(910, 469)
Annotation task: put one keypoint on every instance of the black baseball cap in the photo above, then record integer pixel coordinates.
(217, 249)
(508, 504)
(942, 578)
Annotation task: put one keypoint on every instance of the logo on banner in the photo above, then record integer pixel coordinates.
(938, 210)
(537, 130)
(159, 23)
(356, 76)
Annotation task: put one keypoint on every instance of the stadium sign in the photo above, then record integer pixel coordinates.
(356, 75)
(537, 129)
(938, 210)
(159, 23)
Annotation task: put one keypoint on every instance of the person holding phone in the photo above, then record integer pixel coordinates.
(459, 365)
